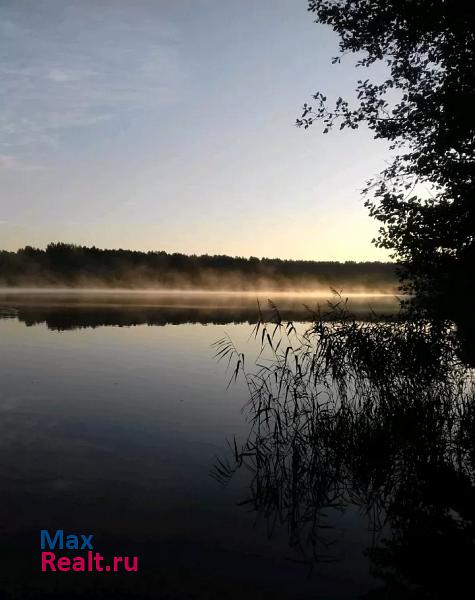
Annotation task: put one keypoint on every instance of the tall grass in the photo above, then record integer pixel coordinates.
(369, 413)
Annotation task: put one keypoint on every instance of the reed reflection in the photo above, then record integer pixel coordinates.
(378, 415)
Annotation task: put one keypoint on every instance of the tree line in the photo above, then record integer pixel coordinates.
(72, 265)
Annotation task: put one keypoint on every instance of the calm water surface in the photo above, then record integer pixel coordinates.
(113, 411)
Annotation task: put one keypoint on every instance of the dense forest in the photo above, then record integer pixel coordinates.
(68, 265)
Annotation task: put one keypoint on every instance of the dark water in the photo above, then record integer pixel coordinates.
(113, 411)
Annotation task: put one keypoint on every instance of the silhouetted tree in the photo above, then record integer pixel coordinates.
(425, 198)
(79, 266)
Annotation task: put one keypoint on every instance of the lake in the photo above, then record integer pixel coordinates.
(113, 413)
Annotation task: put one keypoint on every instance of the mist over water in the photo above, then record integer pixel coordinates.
(69, 266)
(69, 309)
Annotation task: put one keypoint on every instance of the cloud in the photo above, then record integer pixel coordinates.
(9, 162)
(101, 63)
(69, 75)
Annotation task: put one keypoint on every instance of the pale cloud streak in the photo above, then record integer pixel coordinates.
(9, 162)
(83, 68)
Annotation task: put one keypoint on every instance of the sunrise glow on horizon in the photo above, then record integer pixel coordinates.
(170, 126)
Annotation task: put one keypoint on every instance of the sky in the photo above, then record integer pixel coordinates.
(169, 125)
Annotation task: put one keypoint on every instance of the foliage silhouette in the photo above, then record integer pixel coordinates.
(79, 266)
(424, 199)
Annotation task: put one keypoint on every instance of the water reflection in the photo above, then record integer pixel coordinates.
(75, 310)
(377, 415)
(358, 449)
(113, 431)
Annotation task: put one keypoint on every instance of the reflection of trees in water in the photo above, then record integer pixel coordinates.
(376, 414)
(66, 312)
